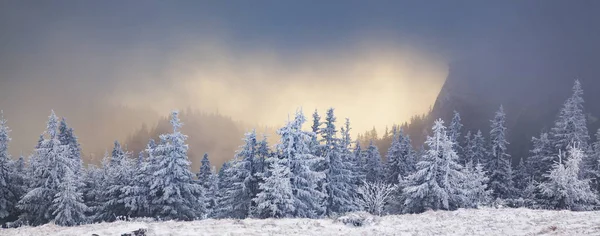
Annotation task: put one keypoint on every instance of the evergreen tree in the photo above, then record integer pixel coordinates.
(119, 176)
(350, 159)
(571, 126)
(521, 178)
(454, 132)
(359, 162)
(222, 209)
(67, 137)
(49, 164)
(479, 150)
(8, 176)
(476, 185)
(211, 193)
(467, 148)
(374, 169)
(400, 158)
(92, 188)
(542, 158)
(244, 184)
(205, 172)
(173, 192)
(564, 189)
(338, 176)
(294, 147)
(68, 203)
(498, 165)
(439, 182)
(316, 147)
(276, 198)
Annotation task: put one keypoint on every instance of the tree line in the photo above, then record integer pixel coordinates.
(310, 173)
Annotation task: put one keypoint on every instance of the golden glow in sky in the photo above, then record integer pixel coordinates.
(373, 84)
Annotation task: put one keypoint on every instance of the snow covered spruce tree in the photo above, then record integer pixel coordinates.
(476, 185)
(276, 198)
(338, 175)
(358, 160)
(542, 157)
(454, 132)
(400, 158)
(373, 167)
(11, 187)
(48, 164)
(207, 177)
(350, 158)
(92, 188)
(67, 137)
(438, 183)
(564, 189)
(222, 209)
(118, 176)
(174, 194)
(243, 177)
(68, 203)
(315, 144)
(499, 164)
(571, 127)
(475, 151)
(294, 151)
(521, 177)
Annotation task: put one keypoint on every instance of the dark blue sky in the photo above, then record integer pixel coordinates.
(68, 54)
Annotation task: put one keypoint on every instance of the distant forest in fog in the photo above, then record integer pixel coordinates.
(213, 133)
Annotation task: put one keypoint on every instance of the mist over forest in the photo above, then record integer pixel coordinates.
(115, 111)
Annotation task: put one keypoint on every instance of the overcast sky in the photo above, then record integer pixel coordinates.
(378, 62)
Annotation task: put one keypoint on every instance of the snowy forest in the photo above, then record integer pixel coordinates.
(314, 170)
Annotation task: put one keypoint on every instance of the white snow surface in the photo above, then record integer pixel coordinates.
(486, 221)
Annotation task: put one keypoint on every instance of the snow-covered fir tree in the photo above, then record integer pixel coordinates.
(478, 148)
(222, 209)
(349, 157)
(316, 129)
(521, 177)
(276, 198)
(338, 175)
(499, 164)
(476, 185)
(49, 164)
(542, 157)
(358, 161)
(467, 147)
(571, 127)
(400, 157)
(68, 203)
(564, 189)
(205, 171)
(373, 166)
(67, 137)
(8, 196)
(208, 179)
(294, 147)
(454, 132)
(439, 182)
(244, 182)
(174, 194)
(92, 188)
(119, 173)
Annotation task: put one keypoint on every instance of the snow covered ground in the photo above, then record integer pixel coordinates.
(461, 222)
